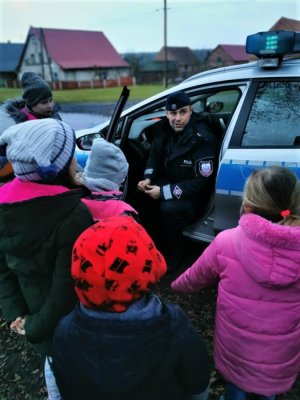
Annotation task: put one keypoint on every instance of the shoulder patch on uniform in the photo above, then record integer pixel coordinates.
(206, 168)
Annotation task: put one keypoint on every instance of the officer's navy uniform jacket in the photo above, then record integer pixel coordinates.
(183, 163)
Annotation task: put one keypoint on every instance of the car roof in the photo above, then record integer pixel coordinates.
(289, 67)
(251, 70)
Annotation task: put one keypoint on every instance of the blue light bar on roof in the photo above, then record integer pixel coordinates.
(273, 43)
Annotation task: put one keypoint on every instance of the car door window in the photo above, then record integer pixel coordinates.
(218, 106)
(274, 118)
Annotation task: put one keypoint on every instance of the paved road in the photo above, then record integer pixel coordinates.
(82, 120)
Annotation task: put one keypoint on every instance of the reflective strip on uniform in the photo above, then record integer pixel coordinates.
(167, 192)
(148, 171)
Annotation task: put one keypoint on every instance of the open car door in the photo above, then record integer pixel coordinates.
(111, 132)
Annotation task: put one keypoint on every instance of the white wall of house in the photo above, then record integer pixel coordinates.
(35, 59)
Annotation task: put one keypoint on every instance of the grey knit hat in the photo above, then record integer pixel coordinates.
(39, 150)
(35, 89)
(106, 167)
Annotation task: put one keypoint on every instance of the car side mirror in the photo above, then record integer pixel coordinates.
(86, 142)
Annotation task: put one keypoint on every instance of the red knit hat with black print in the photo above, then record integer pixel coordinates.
(114, 262)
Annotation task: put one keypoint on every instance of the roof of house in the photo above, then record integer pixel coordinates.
(10, 54)
(286, 24)
(235, 51)
(75, 49)
(183, 55)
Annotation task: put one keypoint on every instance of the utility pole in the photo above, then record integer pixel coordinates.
(165, 46)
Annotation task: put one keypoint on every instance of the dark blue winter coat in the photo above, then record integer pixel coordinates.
(157, 358)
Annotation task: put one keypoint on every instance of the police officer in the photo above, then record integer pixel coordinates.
(179, 175)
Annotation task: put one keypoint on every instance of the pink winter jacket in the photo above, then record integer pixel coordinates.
(107, 207)
(257, 327)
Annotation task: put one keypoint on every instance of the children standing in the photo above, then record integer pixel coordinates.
(105, 171)
(122, 342)
(257, 267)
(41, 216)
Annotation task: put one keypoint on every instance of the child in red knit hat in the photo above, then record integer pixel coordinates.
(122, 342)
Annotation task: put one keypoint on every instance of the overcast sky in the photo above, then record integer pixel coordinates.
(138, 25)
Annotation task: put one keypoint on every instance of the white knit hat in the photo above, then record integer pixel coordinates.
(106, 167)
(38, 149)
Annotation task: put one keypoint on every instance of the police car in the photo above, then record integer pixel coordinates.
(255, 109)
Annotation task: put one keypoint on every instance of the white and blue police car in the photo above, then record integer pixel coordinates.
(255, 108)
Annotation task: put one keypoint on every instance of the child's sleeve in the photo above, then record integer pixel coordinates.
(204, 271)
(12, 302)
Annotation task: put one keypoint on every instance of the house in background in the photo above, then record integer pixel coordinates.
(154, 72)
(286, 24)
(81, 59)
(181, 62)
(72, 59)
(10, 54)
(227, 54)
(186, 61)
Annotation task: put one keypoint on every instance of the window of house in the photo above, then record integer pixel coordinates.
(32, 59)
(274, 118)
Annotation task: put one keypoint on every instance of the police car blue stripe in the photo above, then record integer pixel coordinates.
(232, 174)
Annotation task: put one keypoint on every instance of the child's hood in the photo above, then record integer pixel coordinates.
(269, 252)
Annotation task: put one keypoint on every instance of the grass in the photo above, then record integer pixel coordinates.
(106, 95)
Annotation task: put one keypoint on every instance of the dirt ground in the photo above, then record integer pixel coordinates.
(21, 370)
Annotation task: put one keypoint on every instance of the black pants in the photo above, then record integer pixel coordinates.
(164, 220)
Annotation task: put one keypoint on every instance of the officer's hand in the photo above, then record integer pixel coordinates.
(142, 184)
(153, 191)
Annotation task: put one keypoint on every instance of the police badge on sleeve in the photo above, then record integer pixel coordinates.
(206, 168)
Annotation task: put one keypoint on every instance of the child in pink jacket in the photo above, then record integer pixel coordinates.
(105, 172)
(257, 267)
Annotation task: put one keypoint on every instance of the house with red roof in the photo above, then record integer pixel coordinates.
(286, 24)
(232, 54)
(73, 59)
(184, 58)
(227, 54)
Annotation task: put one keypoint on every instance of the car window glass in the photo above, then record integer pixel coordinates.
(222, 101)
(274, 118)
(118, 134)
(142, 122)
(217, 105)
